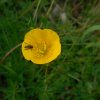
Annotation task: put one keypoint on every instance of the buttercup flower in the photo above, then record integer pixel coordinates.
(41, 46)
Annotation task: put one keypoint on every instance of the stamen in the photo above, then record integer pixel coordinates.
(40, 48)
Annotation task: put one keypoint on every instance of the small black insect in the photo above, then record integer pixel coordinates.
(28, 47)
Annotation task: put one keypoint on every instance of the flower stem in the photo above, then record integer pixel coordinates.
(9, 52)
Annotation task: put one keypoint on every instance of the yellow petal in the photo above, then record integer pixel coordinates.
(50, 36)
(26, 53)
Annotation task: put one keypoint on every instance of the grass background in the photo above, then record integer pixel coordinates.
(75, 74)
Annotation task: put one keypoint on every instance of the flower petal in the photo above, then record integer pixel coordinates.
(26, 53)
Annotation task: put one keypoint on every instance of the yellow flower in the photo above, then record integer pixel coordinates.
(41, 46)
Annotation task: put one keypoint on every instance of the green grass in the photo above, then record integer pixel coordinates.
(75, 74)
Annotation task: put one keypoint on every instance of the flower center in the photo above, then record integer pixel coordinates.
(40, 48)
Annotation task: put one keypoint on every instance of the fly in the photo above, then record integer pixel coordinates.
(27, 47)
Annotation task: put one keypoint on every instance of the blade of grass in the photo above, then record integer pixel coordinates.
(48, 12)
(36, 10)
(89, 31)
